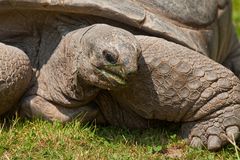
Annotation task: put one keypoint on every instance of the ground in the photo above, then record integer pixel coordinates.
(24, 139)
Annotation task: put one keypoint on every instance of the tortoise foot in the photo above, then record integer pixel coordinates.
(216, 130)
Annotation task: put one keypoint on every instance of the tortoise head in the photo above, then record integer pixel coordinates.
(108, 56)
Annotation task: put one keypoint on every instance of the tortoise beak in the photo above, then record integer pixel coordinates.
(114, 72)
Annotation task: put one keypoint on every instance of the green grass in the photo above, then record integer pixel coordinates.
(44, 140)
(24, 139)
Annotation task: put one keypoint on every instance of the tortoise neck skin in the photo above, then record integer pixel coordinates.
(87, 60)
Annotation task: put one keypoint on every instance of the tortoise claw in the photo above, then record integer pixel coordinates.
(214, 143)
(232, 132)
(196, 142)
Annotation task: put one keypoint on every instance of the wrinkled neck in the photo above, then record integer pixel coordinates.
(59, 80)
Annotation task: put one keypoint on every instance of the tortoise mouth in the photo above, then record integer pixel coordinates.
(113, 74)
(109, 75)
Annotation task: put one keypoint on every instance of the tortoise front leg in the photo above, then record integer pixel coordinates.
(15, 76)
(209, 103)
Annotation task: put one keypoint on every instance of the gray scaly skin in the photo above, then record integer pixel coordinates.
(15, 76)
(176, 84)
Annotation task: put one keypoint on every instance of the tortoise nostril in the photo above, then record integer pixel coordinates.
(110, 57)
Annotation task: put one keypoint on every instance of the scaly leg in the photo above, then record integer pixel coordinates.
(15, 76)
(208, 94)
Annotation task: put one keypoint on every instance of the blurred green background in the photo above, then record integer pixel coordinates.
(236, 15)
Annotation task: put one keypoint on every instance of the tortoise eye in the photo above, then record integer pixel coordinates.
(110, 57)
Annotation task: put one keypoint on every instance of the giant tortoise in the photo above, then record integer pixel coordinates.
(129, 63)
